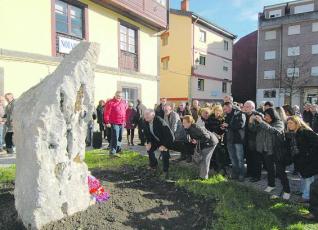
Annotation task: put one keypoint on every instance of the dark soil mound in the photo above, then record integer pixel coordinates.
(139, 200)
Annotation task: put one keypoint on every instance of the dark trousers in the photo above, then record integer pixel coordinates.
(141, 133)
(102, 129)
(280, 172)
(249, 162)
(8, 139)
(313, 201)
(255, 163)
(130, 135)
(108, 134)
(153, 162)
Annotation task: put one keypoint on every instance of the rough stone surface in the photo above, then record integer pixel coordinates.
(50, 122)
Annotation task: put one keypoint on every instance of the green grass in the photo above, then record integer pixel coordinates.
(237, 207)
(7, 175)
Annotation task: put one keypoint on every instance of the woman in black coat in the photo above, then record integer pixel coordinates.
(305, 152)
(207, 141)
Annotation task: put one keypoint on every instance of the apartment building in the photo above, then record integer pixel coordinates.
(36, 35)
(196, 58)
(287, 70)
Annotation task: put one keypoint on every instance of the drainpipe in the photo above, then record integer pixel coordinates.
(193, 61)
(280, 65)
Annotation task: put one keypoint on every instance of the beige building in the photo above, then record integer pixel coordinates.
(196, 58)
(287, 70)
(36, 34)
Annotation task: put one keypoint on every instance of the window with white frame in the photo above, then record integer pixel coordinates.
(304, 8)
(269, 74)
(165, 64)
(294, 30)
(314, 49)
(270, 35)
(314, 71)
(275, 13)
(226, 45)
(293, 51)
(201, 84)
(225, 68)
(224, 87)
(165, 40)
(202, 36)
(293, 72)
(269, 55)
(202, 60)
(315, 27)
(270, 93)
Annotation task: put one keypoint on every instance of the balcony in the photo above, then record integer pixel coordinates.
(128, 61)
(149, 12)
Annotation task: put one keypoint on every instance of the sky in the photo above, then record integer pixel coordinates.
(237, 16)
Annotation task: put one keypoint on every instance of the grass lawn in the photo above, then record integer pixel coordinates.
(237, 207)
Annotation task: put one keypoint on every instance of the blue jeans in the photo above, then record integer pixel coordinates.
(305, 186)
(236, 152)
(116, 138)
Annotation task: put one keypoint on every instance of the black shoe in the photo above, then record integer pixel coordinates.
(141, 144)
(119, 150)
(253, 180)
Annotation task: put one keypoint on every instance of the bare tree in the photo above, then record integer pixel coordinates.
(294, 76)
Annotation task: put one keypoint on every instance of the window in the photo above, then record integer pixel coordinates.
(130, 95)
(165, 63)
(275, 13)
(202, 60)
(270, 55)
(202, 36)
(294, 30)
(270, 35)
(127, 39)
(269, 93)
(293, 51)
(269, 74)
(314, 49)
(304, 8)
(201, 84)
(315, 27)
(224, 87)
(162, 2)
(293, 72)
(225, 68)
(314, 71)
(164, 40)
(69, 19)
(128, 57)
(226, 45)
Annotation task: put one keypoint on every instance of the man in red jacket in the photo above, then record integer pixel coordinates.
(115, 118)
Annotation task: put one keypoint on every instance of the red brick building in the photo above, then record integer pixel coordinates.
(245, 68)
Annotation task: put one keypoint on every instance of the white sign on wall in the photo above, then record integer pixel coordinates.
(66, 44)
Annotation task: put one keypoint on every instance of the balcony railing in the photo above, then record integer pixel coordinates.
(128, 61)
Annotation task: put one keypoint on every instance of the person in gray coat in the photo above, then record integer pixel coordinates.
(269, 143)
(174, 122)
(205, 139)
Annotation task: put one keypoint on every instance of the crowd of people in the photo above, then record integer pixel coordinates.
(236, 140)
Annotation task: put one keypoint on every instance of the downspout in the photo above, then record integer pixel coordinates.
(280, 66)
(193, 61)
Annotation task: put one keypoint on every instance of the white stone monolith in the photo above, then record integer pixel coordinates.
(50, 127)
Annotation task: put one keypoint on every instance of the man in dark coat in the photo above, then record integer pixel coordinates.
(253, 158)
(158, 136)
(235, 126)
(160, 112)
(100, 117)
(140, 108)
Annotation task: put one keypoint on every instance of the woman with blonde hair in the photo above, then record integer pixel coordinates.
(205, 142)
(304, 149)
(204, 116)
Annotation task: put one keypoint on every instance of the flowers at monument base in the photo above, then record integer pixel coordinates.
(96, 190)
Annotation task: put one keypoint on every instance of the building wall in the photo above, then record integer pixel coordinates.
(31, 33)
(216, 58)
(245, 68)
(283, 41)
(174, 82)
